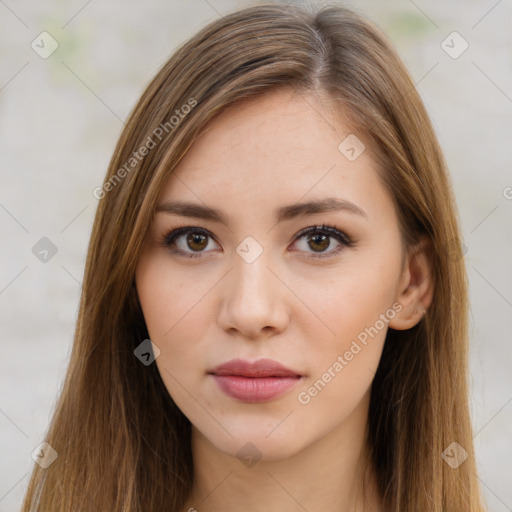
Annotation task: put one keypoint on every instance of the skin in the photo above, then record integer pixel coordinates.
(286, 305)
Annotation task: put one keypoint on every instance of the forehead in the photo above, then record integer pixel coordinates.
(276, 149)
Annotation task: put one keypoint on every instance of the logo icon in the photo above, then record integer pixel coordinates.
(249, 249)
(44, 45)
(454, 45)
(44, 455)
(351, 147)
(454, 455)
(44, 250)
(147, 352)
(249, 454)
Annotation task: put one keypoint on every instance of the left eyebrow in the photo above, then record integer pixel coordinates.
(329, 204)
(199, 211)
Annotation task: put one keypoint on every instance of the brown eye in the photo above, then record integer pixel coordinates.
(318, 240)
(197, 241)
(194, 244)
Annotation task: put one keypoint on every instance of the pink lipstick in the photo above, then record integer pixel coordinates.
(254, 382)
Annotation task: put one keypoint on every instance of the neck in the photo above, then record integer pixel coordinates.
(332, 474)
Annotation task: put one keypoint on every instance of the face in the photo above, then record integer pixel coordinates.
(250, 284)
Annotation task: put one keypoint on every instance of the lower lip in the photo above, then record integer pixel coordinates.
(254, 389)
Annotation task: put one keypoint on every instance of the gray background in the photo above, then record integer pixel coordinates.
(60, 118)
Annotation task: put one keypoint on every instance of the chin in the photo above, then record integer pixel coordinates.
(252, 449)
(253, 439)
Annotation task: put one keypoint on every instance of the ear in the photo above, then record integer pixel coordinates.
(416, 288)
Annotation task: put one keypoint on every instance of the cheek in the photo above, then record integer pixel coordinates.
(345, 305)
(168, 298)
(352, 314)
(343, 364)
(175, 308)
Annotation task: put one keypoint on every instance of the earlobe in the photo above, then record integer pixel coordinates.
(416, 289)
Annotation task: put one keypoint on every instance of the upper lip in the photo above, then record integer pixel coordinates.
(259, 368)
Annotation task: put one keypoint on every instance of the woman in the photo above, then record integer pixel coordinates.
(274, 308)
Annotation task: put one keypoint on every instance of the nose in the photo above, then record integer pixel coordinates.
(254, 299)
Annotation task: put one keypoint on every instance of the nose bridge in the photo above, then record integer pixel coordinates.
(251, 275)
(251, 298)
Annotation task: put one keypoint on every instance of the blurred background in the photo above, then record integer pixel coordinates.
(71, 71)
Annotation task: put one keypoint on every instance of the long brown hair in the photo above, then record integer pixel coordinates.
(122, 443)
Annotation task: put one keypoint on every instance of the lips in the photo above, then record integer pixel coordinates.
(259, 368)
(256, 381)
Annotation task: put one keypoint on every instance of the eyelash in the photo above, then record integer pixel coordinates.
(169, 237)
